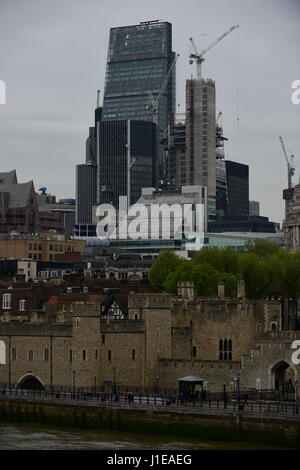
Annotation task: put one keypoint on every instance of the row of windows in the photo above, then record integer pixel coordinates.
(6, 303)
(46, 354)
(34, 246)
(30, 354)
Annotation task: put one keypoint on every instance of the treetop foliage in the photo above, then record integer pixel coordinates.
(264, 266)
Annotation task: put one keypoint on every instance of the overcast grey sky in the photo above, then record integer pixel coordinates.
(53, 59)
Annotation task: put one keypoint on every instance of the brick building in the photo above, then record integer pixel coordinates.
(42, 247)
(19, 208)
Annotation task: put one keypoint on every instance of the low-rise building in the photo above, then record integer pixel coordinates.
(101, 337)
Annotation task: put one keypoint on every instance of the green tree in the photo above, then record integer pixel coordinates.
(166, 263)
(206, 279)
(291, 280)
(230, 281)
(255, 275)
(262, 248)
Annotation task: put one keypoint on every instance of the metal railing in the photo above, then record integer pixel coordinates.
(229, 403)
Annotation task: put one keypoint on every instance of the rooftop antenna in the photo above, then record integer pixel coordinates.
(98, 98)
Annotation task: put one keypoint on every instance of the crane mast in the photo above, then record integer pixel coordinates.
(154, 102)
(290, 164)
(198, 57)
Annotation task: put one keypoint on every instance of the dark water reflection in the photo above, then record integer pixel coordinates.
(43, 437)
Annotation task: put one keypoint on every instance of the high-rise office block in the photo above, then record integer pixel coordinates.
(221, 180)
(200, 162)
(237, 176)
(139, 58)
(254, 208)
(127, 159)
(87, 174)
(86, 177)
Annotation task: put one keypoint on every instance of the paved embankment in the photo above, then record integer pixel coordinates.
(202, 422)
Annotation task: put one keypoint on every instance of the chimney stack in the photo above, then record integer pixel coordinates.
(241, 289)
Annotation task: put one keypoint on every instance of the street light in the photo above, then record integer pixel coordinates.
(74, 379)
(115, 385)
(157, 382)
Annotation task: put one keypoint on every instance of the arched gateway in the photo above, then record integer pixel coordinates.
(283, 377)
(30, 382)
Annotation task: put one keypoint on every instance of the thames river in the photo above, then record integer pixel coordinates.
(43, 437)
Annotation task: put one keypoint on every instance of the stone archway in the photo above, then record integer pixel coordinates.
(30, 382)
(283, 377)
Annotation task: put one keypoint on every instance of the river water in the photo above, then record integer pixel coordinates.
(43, 437)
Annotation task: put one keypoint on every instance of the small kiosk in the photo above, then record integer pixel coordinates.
(191, 388)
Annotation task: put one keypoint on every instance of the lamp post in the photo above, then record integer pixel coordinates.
(157, 382)
(74, 382)
(115, 385)
(238, 389)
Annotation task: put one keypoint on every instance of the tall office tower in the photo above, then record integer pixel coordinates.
(127, 159)
(254, 208)
(139, 58)
(200, 165)
(175, 153)
(237, 176)
(221, 180)
(86, 175)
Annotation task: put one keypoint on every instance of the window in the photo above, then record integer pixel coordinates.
(71, 355)
(14, 354)
(46, 354)
(22, 305)
(194, 351)
(96, 353)
(133, 354)
(84, 355)
(103, 339)
(6, 301)
(273, 326)
(109, 355)
(30, 354)
(225, 350)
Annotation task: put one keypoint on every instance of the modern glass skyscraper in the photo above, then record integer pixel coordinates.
(127, 159)
(139, 58)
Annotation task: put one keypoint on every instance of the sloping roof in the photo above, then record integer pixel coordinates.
(18, 193)
(191, 378)
(8, 177)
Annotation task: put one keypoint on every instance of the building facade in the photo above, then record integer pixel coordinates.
(200, 162)
(19, 210)
(139, 58)
(291, 225)
(37, 248)
(237, 175)
(86, 191)
(127, 159)
(155, 335)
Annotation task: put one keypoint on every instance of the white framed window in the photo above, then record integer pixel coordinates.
(22, 305)
(6, 301)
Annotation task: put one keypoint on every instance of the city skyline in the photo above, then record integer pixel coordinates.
(52, 69)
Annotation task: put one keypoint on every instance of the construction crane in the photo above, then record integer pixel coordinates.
(290, 164)
(198, 57)
(154, 102)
